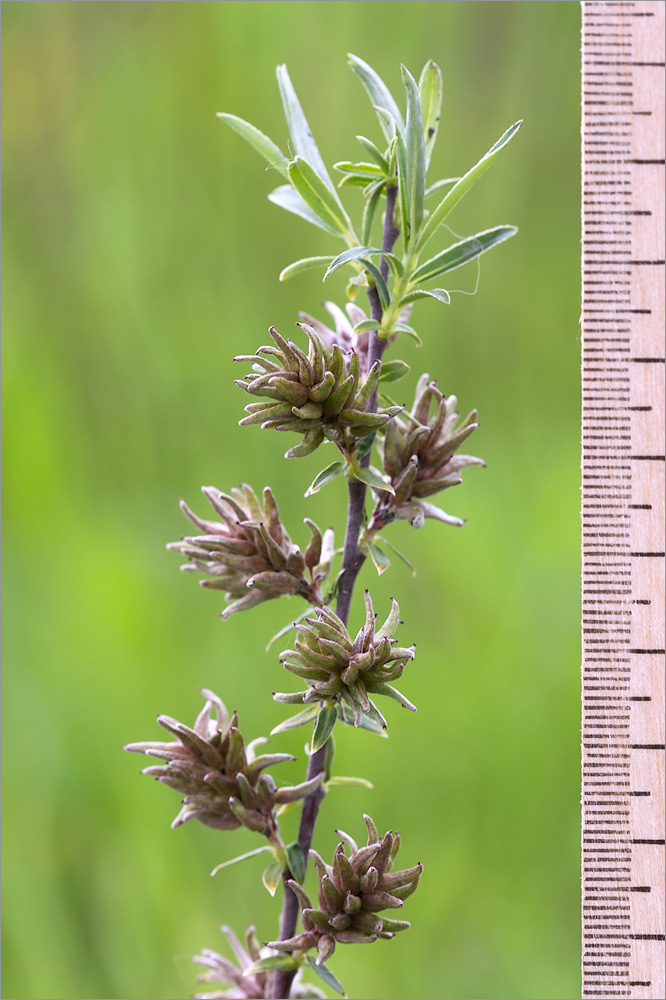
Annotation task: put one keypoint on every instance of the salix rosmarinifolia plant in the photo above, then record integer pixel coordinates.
(327, 386)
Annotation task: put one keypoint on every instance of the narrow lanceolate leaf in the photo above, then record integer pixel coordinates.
(300, 719)
(460, 253)
(366, 326)
(326, 974)
(392, 371)
(273, 963)
(328, 716)
(431, 90)
(380, 284)
(375, 153)
(341, 779)
(380, 560)
(263, 145)
(305, 264)
(444, 182)
(440, 294)
(462, 187)
(371, 171)
(416, 157)
(272, 876)
(400, 555)
(326, 476)
(325, 204)
(369, 212)
(357, 253)
(372, 478)
(296, 861)
(409, 330)
(379, 94)
(291, 201)
(403, 184)
(366, 722)
(299, 130)
(241, 857)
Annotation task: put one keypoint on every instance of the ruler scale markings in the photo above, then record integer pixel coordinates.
(622, 476)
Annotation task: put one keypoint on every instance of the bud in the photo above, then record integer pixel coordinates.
(248, 553)
(321, 395)
(352, 892)
(419, 456)
(245, 987)
(341, 669)
(220, 777)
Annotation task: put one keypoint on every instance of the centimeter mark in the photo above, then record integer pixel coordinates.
(623, 492)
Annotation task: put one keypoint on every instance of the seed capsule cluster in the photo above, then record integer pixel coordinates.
(419, 455)
(221, 779)
(352, 891)
(339, 668)
(252, 986)
(321, 394)
(249, 554)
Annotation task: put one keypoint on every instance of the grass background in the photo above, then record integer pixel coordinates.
(140, 255)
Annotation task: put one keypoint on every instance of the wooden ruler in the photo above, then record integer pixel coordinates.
(623, 498)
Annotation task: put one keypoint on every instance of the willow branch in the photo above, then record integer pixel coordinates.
(352, 560)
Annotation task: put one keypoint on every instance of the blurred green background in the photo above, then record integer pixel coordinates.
(140, 255)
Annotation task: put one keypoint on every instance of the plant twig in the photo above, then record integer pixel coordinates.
(352, 560)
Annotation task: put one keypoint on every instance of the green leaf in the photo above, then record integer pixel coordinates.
(393, 371)
(296, 860)
(300, 719)
(328, 716)
(366, 722)
(362, 169)
(416, 157)
(329, 757)
(373, 478)
(241, 857)
(380, 560)
(325, 204)
(460, 253)
(288, 627)
(380, 284)
(462, 187)
(325, 973)
(410, 331)
(263, 145)
(340, 779)
(364, 445)
(399, 554)
(358, 253)
(358, 180)
(444, 182)
(430, 95)
(272, 876)
(369, 212)
(299, 130)
(379, 94)
(286, 806)
(367, 326)
(273, 963)
(287, 198)
(375, 153)
(403, 184)
(326, 476)
(305, 264)
(440, 294)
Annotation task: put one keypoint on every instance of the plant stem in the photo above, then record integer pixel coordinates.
(352, 557)
(352, 560)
